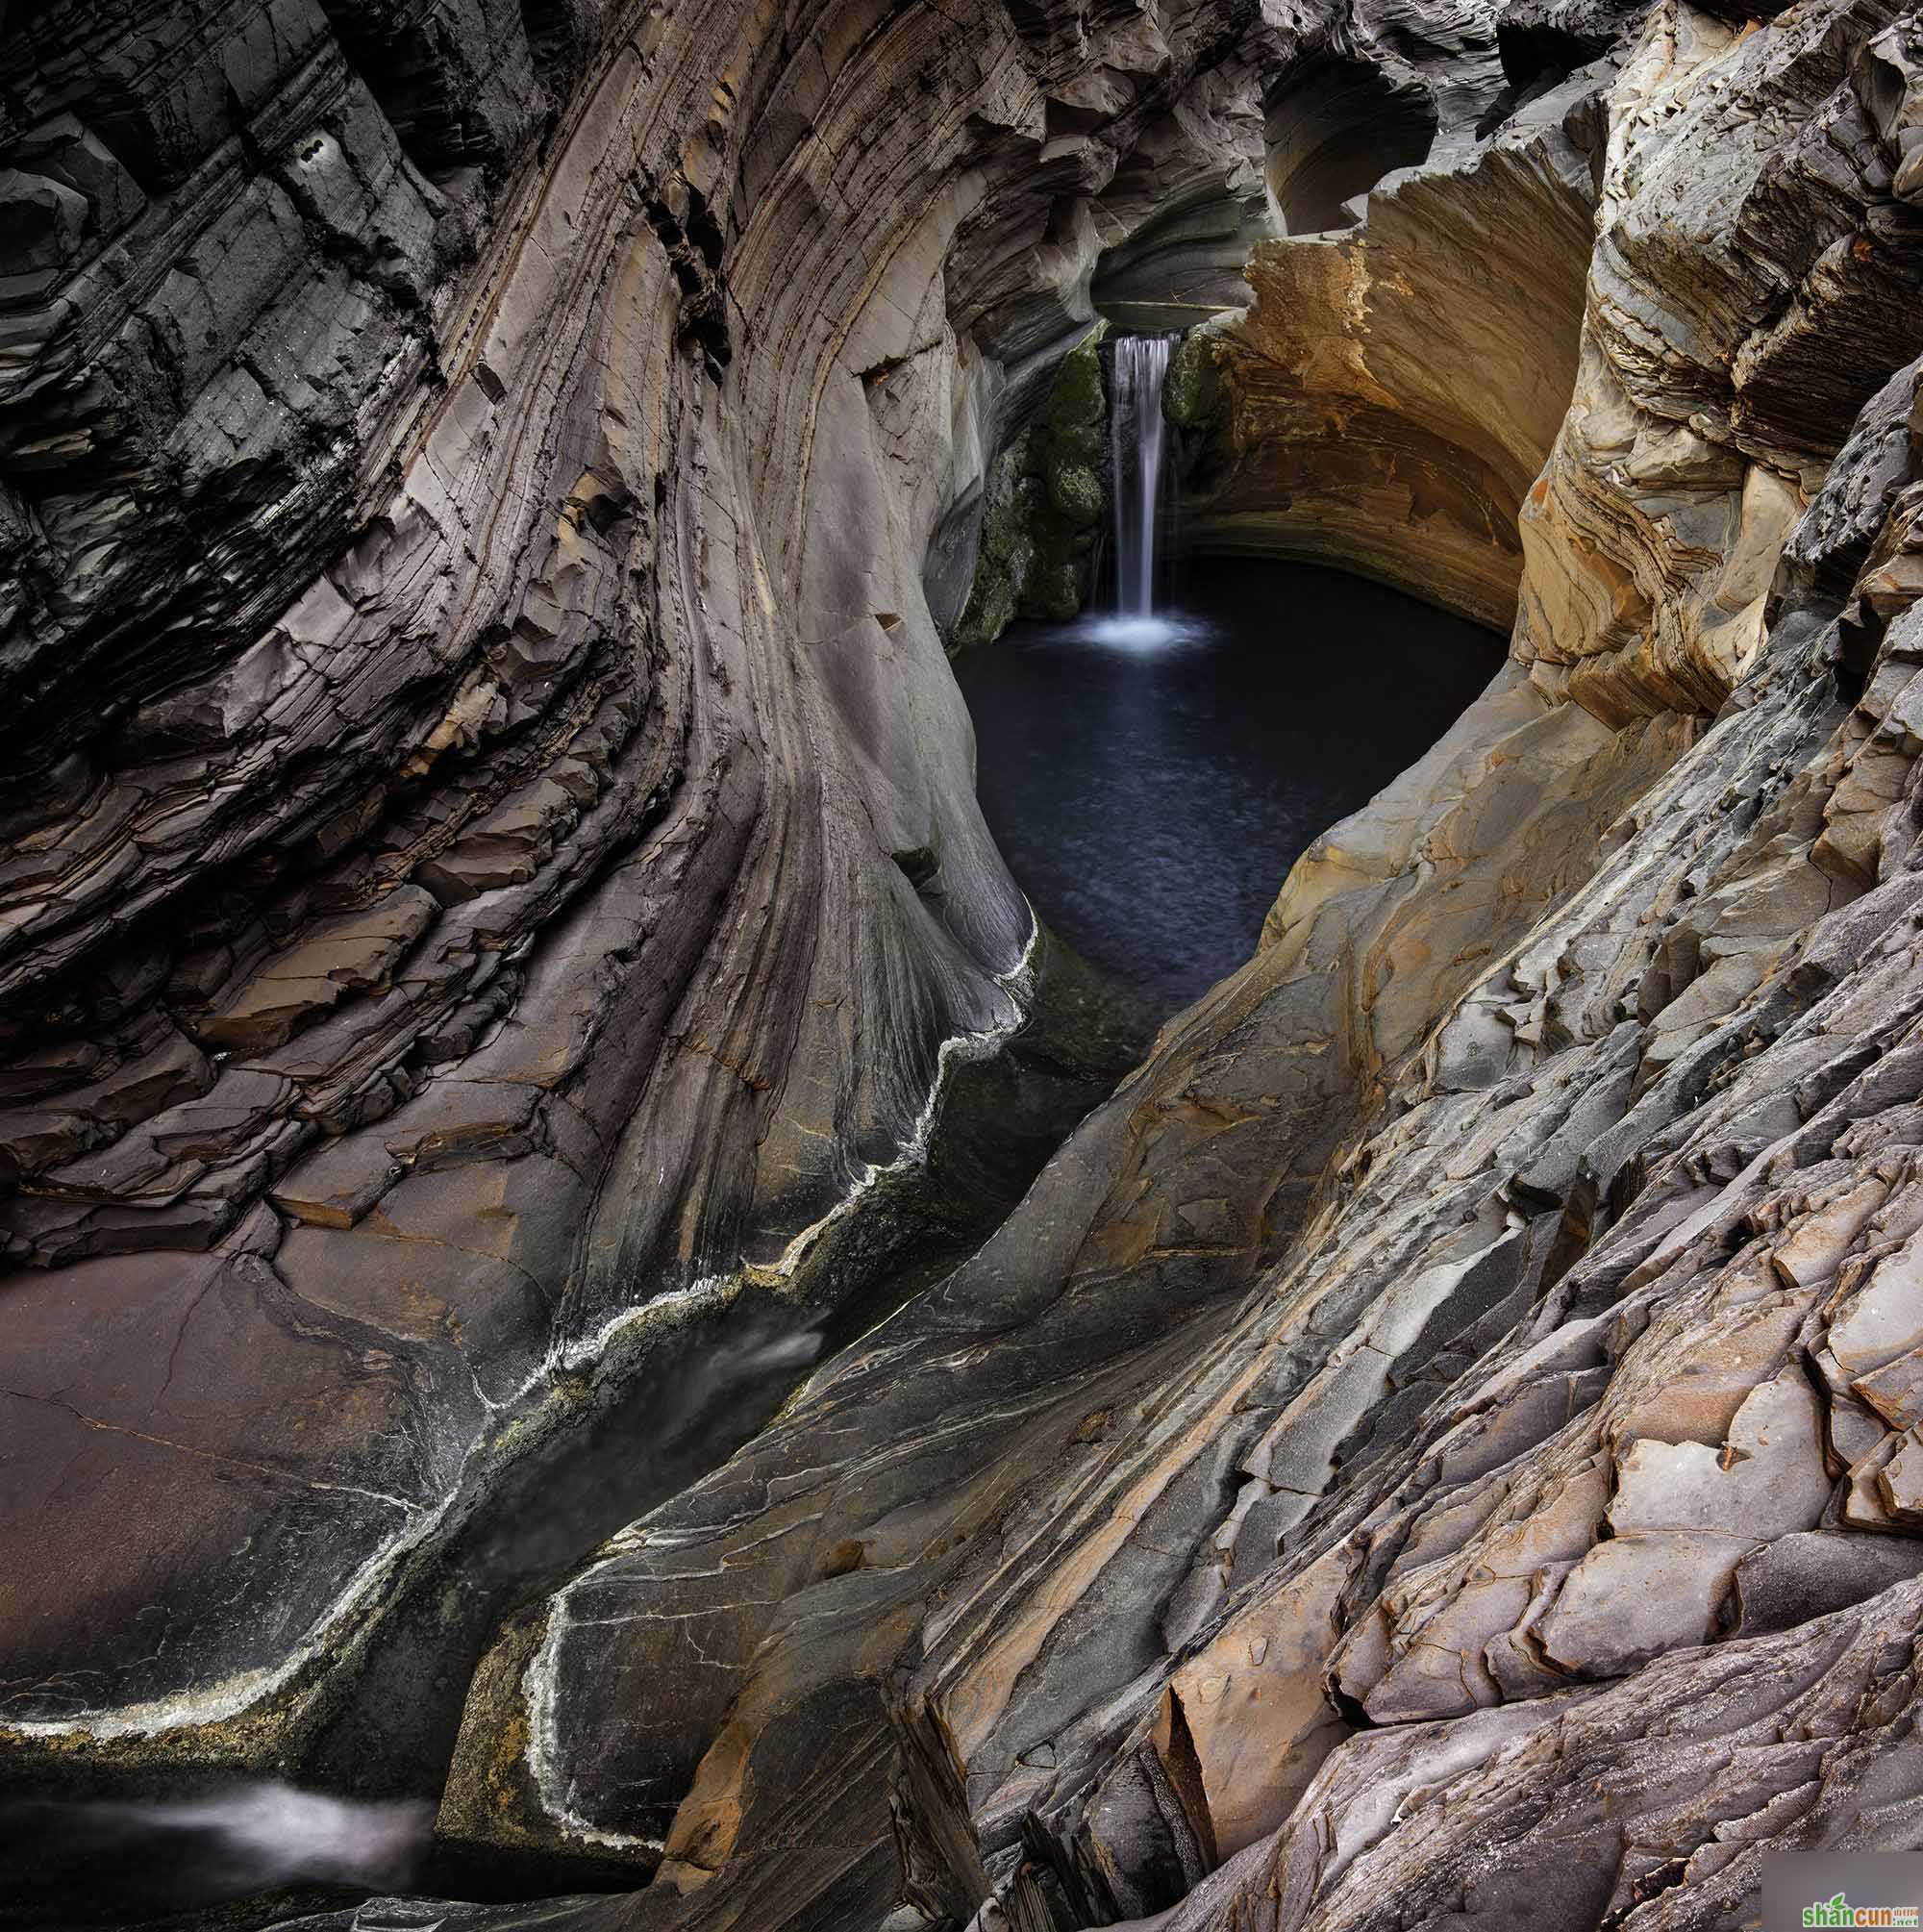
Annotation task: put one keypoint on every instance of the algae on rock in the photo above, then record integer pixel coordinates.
(1195, 400)
(1007, 552)
(1192, 396)
(1047, 494)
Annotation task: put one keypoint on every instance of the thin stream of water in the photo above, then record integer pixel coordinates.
(1138, 433)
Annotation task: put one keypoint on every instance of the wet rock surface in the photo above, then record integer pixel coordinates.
(493, 851)
(490, 849)
(1045, 498)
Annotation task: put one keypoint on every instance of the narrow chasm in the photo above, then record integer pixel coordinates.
(960, 967)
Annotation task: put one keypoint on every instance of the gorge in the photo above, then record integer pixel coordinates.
(579, 1264)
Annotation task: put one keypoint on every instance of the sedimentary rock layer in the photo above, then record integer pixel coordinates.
(489, 839)
(1461, 1388)
(1393, 392)
(1463, 1384)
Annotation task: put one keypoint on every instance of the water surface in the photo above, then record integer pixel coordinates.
(1150, 783)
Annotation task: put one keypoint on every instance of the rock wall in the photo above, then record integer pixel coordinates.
(1392, 394)
(1046, 497)
(490, 856)
(1441, 1439)
(1438, 1439)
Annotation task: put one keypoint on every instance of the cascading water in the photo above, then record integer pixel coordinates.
(1151, 770)
(1137, 436)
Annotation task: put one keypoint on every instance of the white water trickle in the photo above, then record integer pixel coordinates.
(145, 1857)
(1137, 435)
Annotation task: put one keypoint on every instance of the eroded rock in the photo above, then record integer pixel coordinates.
(1457, 1391)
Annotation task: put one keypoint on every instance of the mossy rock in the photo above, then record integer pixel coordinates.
(1074, 419)
(1046, 496)
(1006, 548)
(994, 596)
(1055, 588)
(1076, 493)
(1192, 394)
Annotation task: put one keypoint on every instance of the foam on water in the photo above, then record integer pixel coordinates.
(1142, 634)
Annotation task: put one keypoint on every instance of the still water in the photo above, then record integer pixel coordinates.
(1150, 784)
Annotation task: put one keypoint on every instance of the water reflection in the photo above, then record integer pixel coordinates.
(1151, 779)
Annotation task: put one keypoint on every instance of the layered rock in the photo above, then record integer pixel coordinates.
(1460, 1388)
(1705, 410)
(1461, 1383)
(492, 865)
(1388, 399)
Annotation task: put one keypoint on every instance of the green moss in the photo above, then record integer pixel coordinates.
(991, 606)
(1006, 549)
(1075, 416)
(1197, 399)
(1057, 586)
(1075, 491)
(1046, 497)
(1066, 446)
(1193, 395)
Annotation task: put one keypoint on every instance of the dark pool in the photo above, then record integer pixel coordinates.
(1150, 798)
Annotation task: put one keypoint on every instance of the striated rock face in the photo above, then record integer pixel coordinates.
(1707, 410)
(1392, 393)
(1443, 1438)
(1045, 497)
(489, 846)
(1439, 1439)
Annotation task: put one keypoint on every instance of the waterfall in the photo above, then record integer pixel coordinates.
(1136, 432)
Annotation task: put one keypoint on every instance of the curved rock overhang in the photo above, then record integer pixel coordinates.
(1336, 125)
(1293, 1452)
(1393, 392)
(492, 866)
(1179, 217)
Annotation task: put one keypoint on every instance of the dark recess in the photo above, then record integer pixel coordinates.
(1534, 61)
(1336, 127)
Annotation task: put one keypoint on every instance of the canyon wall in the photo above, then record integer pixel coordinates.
(491, 868)
(1393, 392)
(1439, 1441)
(1436, 1441)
